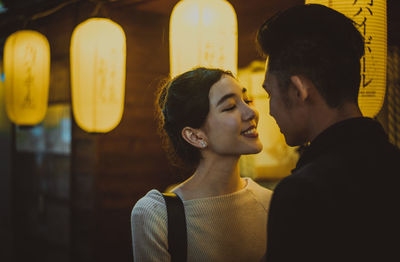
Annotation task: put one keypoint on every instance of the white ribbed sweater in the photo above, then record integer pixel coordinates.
(223, 228)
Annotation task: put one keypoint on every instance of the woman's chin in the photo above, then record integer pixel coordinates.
(255, 149)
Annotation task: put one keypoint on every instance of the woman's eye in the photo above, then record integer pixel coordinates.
(229, 108)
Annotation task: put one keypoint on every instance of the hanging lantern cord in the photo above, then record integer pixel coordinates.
(53, 10)
(97, 8)
(25, 24)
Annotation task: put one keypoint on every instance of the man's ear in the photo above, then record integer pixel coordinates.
(195, 137)
(302, 86)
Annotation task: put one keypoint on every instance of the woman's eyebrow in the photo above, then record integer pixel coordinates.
(244, 90)
(225, 97)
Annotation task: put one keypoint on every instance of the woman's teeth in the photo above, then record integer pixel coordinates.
(252, 131)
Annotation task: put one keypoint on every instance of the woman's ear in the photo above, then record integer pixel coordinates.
(195, 137)
(302, 86)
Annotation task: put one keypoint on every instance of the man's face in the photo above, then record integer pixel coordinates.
(285, 110)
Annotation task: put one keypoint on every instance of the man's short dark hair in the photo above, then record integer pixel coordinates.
(319, 43)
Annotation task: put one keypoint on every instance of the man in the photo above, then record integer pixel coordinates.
(341, 201)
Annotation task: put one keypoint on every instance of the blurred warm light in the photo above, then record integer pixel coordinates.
(27, 74)
(203, 33)
(98, 55)
(277, 159)
(370, 17)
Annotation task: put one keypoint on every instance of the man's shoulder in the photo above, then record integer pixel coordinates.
(316, 170)
(321, 176)
(350, 169)
(352, 158)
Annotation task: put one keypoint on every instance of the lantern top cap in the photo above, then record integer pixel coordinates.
(93, 23)
(28, 32)
(221, 2)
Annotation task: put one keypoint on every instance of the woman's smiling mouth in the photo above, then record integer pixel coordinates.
(251, 132)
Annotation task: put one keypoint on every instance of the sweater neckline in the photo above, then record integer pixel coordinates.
(222, 197)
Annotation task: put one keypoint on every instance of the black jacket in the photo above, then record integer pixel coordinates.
(341, 202)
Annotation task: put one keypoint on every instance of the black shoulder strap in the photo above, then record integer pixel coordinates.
(177, 235)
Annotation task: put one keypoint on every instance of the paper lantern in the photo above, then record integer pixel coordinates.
(98, 54)
(370, 19)
(27, 75)
(203, 33)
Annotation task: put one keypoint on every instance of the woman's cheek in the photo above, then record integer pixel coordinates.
(231, 123)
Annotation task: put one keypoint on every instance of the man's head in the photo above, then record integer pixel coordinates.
(316, 46)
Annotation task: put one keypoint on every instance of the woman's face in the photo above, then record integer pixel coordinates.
(231, 124)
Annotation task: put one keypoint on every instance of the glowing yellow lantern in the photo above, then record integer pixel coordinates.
(27, 75)
(203, 33)
(98, 54)
(370, 18)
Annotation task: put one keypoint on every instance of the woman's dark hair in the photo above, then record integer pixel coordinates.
(184, 102)
(319, 43)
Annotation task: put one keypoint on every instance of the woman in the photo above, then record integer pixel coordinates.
(209, 122)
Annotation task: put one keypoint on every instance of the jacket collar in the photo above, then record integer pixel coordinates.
(360, 129)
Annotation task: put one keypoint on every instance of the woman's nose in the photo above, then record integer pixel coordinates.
(249, 113)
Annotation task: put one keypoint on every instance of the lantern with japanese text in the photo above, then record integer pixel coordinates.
(27, 76)
(98, 54)
(203, 33)
(370, 18)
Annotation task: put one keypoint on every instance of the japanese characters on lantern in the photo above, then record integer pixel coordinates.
(98, 57)
(27, 76)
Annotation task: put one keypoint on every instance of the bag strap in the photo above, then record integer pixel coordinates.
(177, 235)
